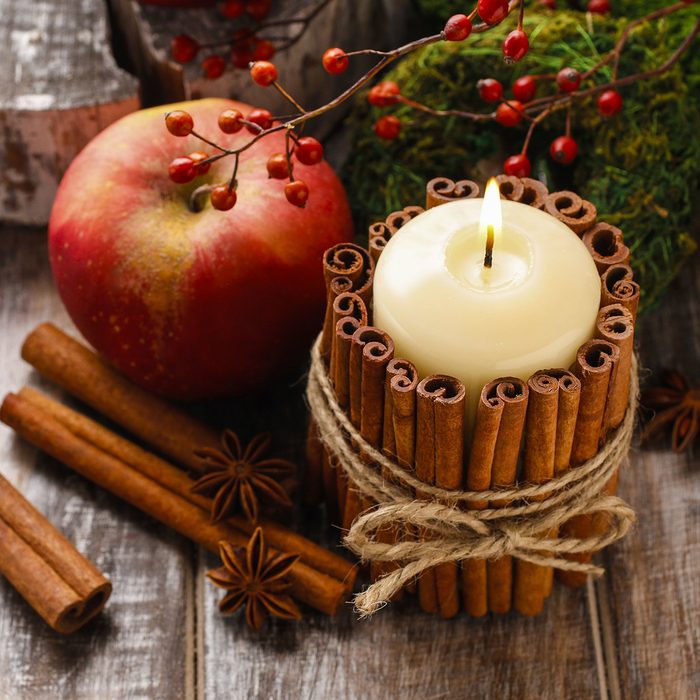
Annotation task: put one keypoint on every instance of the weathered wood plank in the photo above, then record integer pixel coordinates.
(652, 580)
(139, 646)
(59, 86)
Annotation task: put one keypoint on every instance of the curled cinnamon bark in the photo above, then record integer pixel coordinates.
(525, 190)
(511, 187)
(62, 586)
(397, 219)
(379, 236)
(606, 245)
(514, 394)
(441, 190)
(578, 214)
(619, 287)
(439, 456)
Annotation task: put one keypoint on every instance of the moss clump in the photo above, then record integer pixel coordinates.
(641, 168)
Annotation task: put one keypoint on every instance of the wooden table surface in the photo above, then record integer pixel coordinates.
(633, 634)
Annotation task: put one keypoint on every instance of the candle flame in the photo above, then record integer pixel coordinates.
(491, 208)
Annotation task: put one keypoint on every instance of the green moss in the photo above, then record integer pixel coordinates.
(641, 168)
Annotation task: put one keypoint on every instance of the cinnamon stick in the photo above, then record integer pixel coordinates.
(370, 352)
(179, 483)
(514, 394)
(531, 580)
(81, 372)
(439, 454)
(619, 287)
(525, 190)
(441, 190)
(578, 214)
(308, 585)
(594, 366)
(488, 420)
(510, 187)
(62, 586)
(606, 244)
(379, 236)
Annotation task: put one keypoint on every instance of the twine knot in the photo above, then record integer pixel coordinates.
(449, 533)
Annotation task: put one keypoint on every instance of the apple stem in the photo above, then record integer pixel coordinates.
(195, 203)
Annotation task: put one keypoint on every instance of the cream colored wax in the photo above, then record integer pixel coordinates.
(448, 314)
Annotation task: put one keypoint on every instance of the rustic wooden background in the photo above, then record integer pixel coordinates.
(633, 634)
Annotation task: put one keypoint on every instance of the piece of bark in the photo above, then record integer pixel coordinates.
(606, 244)
(578, 214)
(59, 87)
(619, 287)
(441, 190)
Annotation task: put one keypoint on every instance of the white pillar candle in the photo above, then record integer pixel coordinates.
(449, 314)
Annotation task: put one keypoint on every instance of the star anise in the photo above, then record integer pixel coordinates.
(239, 478)
(257, 579)
(677, 405)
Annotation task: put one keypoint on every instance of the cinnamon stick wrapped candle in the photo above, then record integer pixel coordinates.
(39, 427)
(578, 214)
(514, 395)
(439, 454)
(81, 372)
(619, 287)
(62, 586)
(606, 245)
(441, 190)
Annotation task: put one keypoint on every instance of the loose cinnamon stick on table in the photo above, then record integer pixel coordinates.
(488, 420)
(179, 483)
(62, 586)
(578, 214)
(441, 190)
(439, 454)
(606, 244)
(323, 592)
(514, 394)
(594, 366)
(78, 370)
(370, 352)
(531, 580)
(619, 287)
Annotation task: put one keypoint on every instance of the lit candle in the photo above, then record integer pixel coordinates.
(484, 288)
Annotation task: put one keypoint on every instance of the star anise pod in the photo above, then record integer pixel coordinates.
(677, 405)
(257, 579)
(239, 477)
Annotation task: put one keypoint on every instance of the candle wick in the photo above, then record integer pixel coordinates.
(488, 257)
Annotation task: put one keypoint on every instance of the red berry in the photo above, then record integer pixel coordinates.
(197, 157)
(599, 7)
(308, 151)
(183, 48)
(458, 28)
(515, 46)
(297, 193)
(509, 113)
(492, 11)
(277, 166)
(388, 127)
(258, 9)
(263, 73)
(242, 54)
(610, 103)
(568, 79)
(524, 88)
(179, 122)
(230, 121)
(335, 61)
(182, 170)
(490, 90)
(213, 67)
(563, 149)
(264, 50)
(232, 8)
(384, 94)
(518, 165)
(222, 198)
(261, 117)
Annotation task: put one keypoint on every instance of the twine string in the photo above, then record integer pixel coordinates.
(450, 533)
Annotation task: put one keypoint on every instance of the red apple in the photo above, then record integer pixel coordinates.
(192, 305)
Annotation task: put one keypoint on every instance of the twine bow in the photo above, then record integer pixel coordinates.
(450, 533)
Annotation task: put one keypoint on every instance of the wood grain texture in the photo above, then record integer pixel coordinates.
(59, 87)
(138, 647)
(652, 582)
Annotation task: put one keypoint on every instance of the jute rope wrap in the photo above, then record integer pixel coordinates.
(450, 533)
